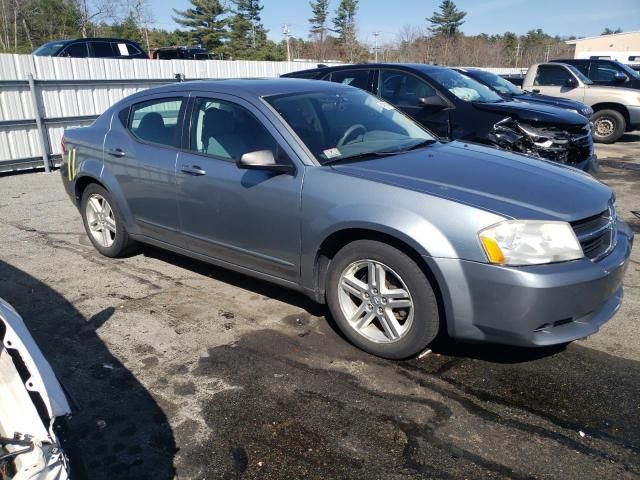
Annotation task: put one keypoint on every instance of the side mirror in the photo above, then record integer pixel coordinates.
(619, 78)
(571, 82)
(432, 101)
(263, 160)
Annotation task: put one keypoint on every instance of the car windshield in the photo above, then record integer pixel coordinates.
(49, 49)
(348, 123)
(463, 87)
(583, 78)
(499, 84)
(628, 70)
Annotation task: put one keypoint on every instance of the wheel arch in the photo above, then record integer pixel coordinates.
(613, 106)
(340, 238)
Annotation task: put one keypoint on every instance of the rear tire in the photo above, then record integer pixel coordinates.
(103, 223)
(381, 300)
(608, 126)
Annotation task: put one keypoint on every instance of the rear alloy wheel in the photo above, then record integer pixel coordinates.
(381, 300)
(608, 126)
(102, 222)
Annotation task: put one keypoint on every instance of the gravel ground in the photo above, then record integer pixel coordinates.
(182, 370)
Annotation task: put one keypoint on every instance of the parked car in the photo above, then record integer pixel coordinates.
(605, 72)
(31, 403)
(181, 53)
(331, 191)
(509, 91)
(457, 107)
(91, 47)
(616, 110)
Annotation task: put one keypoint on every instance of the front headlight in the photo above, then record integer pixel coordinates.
(530, 242)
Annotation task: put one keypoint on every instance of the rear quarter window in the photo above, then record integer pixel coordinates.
(156, 121)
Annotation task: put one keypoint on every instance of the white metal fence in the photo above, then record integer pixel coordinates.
(41, 96)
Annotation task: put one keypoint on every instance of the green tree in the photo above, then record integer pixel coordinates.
(318, 30)
(608, 31)
(205, 22)
(344, 24)
(448, 21)
(127, 28)
(247, 36)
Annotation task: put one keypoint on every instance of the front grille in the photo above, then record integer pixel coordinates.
(597, 234)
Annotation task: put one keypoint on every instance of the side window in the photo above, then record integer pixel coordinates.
(156, 121)
(227, 130)
(102, 49)
(354, 78)
(124, 49)
(549, 75)
(604, 71)
(582, 66)
(76, 50)
(403, 89)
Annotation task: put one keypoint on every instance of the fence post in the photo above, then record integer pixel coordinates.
(44, 142)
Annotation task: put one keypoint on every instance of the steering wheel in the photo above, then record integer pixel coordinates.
(350, 131)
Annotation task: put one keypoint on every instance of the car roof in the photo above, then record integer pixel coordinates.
(252, 87)
(423, 67)
(91, 39)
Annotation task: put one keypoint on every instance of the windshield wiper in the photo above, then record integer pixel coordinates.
(365, 155)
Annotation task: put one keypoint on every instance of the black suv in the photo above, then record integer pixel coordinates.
(91, 47)
(455, 106)
(606, 72)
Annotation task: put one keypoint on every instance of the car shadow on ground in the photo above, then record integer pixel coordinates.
(118, 430)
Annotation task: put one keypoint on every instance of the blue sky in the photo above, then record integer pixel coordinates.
(561, 17)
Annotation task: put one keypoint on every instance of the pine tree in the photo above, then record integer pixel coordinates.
(344, 24)
(318, 30)
(448, 21)
(203, 19)
(247, 35)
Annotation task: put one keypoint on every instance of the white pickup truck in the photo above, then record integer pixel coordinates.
(616, 110)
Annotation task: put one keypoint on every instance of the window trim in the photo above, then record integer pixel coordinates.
(436, 88)
(228, 98)
(71, 44)
(179, 123)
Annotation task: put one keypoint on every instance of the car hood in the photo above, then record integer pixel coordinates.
(549, 100)
(504, 183)
(533, 112)
(30, 401)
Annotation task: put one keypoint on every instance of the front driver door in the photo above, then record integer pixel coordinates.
(248, 218)
(403, 90)
(554, 80)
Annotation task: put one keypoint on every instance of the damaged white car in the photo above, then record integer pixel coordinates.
(31, 399)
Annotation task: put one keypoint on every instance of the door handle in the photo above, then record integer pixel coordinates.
(193, 170)
(536, 90)
(117, 152)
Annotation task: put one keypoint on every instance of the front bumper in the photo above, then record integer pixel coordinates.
(634, 117)
(532, 306)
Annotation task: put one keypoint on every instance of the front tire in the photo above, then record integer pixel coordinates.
(381, 300)
(103, 223)
(608, 126)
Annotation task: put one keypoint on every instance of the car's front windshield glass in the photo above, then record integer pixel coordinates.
(48, 49)
(346, 123)
(463, 87)
(583, 78)
(628, 70)
(499, 84)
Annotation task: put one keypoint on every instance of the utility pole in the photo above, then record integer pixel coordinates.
(546, 57)
(517, 52)
(253, 36)
(375, 48)
(285, 32)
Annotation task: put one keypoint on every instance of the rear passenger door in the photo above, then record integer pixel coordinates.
(249, 218)
(140, 150)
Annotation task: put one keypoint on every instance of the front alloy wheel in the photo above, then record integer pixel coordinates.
(375, 301)
(381, 299)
